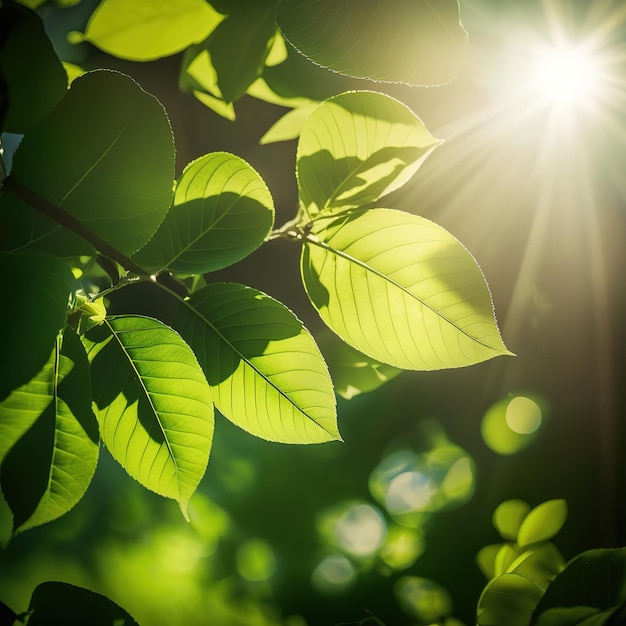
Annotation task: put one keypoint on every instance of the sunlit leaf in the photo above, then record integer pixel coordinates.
(216, 104)
(508, 599)
(486, 558)
(541, 563)
(153, 404)
(36, 288)
(506, 556)
(143, 30)
(357, 147)
(419, 42)
(400, 289)
(49, 436)
(543, 522)
(112, 167)
(508, 517)
(222, 212)
(54, 603)
(265, 370)
(352, 372)
(289, 125)
(31, 74)
(594, 579)
(73, 71)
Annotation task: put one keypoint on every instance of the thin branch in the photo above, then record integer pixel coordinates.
(68, 221)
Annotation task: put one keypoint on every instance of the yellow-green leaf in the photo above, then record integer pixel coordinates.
(144, 30)
(508, 517)
(153, 404)
(542, 523)
(400, 289)
(266, 372)
(222, 211)
(355, 148)
(49, 438)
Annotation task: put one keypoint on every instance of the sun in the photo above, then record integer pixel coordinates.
(565, 76)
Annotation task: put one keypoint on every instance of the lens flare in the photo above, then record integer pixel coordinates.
(564, 76)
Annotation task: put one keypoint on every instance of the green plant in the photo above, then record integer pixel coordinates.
(89, 209)
(530, 584)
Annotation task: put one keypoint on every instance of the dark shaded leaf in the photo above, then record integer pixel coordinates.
(32, 79)
(36, 288)
(112, 167)
(419, 42)
(56, 603)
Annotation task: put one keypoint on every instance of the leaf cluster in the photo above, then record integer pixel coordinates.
(91, 207)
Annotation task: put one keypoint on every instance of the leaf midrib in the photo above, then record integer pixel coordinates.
(313, 240)
(251, 365)
(148, 396)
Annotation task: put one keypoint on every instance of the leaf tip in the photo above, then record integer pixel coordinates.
(183, 505)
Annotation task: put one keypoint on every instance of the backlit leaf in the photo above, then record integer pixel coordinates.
(112, 167)
(266, 372)
(508, 599)
(508, 517)
(36, 287)
(543, 522)
(54, 603)
(32, 76)
(357, 147)
(400, 289)
(419, 42)
(486, 559)
(49, 436)
(152, 402)
(222, 212)
(289, 126)
(143, 30)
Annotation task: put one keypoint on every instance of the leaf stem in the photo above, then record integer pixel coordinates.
(73, 224)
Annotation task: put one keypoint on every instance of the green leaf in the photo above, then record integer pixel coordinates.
(486, 559)
(508, 599)
(54, 603)
(222, 212)
(32, 76)
(418, 42)
(153, 404)
(357, 147)
(289, 126)
(352, 372)
(144, 30)
(541, 564)
(508, 517)
(49, 437)
(595, 578)
(542, 523)
(297, 80)
(507, 555)
(400, 289)
(266, 372)
(112, 167)
(578, 616)
(240, 45)
(36, 288)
